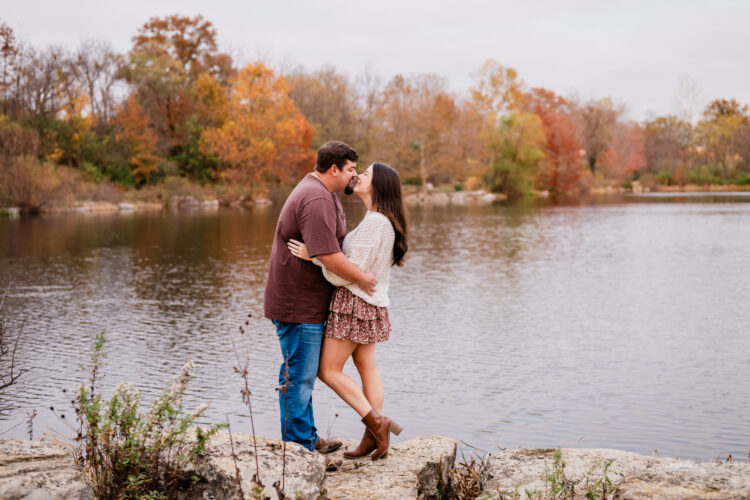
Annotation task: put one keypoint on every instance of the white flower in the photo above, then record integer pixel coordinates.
(189, 365)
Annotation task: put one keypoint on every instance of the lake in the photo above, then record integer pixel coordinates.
(621, 323)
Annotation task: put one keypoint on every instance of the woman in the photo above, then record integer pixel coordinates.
(357, 321)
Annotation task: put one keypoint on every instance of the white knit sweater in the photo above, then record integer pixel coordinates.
(370, 247)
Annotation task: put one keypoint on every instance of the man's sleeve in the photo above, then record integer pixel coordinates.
(318, 220)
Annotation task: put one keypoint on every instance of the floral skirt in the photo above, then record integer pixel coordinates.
(351, 318)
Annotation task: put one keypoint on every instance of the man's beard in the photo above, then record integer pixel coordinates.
(349, 189)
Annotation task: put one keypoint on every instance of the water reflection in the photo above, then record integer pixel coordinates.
(536, 324)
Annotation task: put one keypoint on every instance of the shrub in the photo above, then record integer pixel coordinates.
(472, 183)
(26, 183)
(127, 454)
(664, 178)
(649, 181)
(741, 179)
(701, 175)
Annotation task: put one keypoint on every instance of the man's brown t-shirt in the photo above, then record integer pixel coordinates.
(296, 291)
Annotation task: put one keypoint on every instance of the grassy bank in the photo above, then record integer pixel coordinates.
(31, 187)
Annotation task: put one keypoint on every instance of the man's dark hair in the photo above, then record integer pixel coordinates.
(334, 153)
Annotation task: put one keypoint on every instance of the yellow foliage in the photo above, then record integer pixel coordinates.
(210, 100)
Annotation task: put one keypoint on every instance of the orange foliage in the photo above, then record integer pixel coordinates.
(264, 134)
(134, 132)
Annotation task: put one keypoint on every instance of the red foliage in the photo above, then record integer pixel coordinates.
(562, 166)
(626, 152)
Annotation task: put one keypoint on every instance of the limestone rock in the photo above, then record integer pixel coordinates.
(141, 206)
(262, 202)
(40, 470)
(669, 478)
(633, 475)
(126, 207)
(304, 475)
(418, 468)
(92, 206)
(176, 201)
(413, 197)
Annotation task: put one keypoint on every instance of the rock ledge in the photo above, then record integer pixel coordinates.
(633, 475)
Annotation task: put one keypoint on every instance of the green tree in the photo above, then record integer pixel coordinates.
(517, 146)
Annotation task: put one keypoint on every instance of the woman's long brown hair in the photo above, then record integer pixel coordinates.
(386, 196)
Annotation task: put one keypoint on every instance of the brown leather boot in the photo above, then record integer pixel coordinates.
(366, 446)
(381, 427)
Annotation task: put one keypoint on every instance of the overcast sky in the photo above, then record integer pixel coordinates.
(633, 51)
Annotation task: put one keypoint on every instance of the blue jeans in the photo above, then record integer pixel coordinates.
(300, 346)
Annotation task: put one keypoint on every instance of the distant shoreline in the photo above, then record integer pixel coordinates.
(413, 196)
(687, 188)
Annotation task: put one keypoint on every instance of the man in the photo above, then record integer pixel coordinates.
(297, 295)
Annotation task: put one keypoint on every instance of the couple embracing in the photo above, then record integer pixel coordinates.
(327, 294)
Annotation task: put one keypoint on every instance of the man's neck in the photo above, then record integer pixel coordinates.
(322, 179)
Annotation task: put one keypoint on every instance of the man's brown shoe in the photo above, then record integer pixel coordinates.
(327, 445)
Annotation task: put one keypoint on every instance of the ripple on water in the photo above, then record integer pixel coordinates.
(614, 326)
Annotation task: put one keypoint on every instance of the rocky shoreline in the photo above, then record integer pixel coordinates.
(418, 468)
(190, 203)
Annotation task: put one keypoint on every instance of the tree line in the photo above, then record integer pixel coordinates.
(174, 105)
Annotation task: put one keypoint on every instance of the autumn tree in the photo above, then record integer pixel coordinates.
(138, 140)
(264, 135)
(9, 51)
(497, 91)
(39, 98)
(97, 67)
(561, 168)
(625, 153)
(210, 109)
(329, 102)
(723, 135)
(468, 159)
(159, 85)
(168, 56)
(597, 120)
(668, 148)
(16, 140)
(189, 40)
(517, 146)
(413, 130)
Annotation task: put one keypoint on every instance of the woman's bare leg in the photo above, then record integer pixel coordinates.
(372, 385)
(333, 356)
